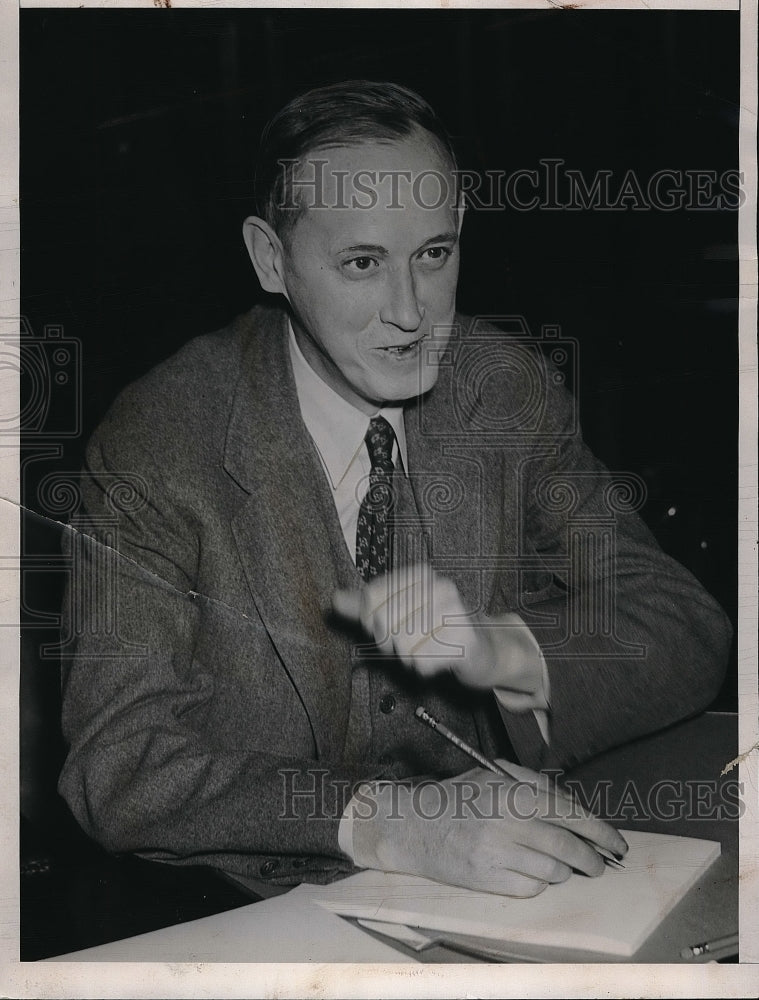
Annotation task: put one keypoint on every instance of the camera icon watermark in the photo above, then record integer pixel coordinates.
(48, 369)
(499, 376)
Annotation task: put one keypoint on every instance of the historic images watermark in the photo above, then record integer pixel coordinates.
(315, 794)
(550, 185)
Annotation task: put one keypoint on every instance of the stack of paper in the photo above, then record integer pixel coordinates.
(612, 914)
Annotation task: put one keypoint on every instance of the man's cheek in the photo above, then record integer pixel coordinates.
(356, 310)
(338, 297)
(439, 296)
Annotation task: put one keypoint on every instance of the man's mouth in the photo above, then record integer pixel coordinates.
(401, 350)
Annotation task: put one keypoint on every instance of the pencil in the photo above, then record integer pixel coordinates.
(708, 947)
(424, 716)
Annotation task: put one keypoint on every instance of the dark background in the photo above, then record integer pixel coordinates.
(138, 130)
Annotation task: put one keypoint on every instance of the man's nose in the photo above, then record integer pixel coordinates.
(402, 308)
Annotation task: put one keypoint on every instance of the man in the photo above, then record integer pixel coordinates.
(345, 506)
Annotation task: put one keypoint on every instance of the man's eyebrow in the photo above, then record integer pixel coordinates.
(374, 248)
(380, 251)
(449, 237)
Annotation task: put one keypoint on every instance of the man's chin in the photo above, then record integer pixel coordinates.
(401, 392)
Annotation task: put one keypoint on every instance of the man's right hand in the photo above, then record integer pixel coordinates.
(480, 830)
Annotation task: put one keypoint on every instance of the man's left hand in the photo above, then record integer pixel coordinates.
(418, 615)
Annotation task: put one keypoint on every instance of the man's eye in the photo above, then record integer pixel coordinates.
(435, 255)
(361, 263)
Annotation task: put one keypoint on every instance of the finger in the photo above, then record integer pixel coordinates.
(380, 626)
(347, 604)
(379, 618)
(419, 653)
(398, 593)
(411, 614)
(559, 805)
(509, 883)
(554, 806)
(411, 607)
(439, 637)
(560, 844)
(543, 821)
(382, 612)
(596, 831)
(499, 880)
(537, 865)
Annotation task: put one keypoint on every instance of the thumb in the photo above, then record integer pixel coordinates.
(347, 604)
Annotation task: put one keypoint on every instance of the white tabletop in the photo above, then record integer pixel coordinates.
(286, 928)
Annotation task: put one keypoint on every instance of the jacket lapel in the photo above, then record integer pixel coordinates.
(452, 480)
(287, 532)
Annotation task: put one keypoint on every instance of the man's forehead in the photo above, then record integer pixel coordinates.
(400, 175)
(419, 150)
(377, 228)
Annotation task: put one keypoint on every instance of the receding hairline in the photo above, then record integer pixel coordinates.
(417, 132)
(436, 146)
(343, 115)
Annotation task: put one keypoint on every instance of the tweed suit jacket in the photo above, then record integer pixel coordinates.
(207, 697)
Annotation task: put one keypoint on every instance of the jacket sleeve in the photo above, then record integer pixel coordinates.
(632, 641)
(149, 770)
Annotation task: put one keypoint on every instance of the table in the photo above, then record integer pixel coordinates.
(669, 783)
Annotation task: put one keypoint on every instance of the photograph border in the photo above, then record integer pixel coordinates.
(70, 979)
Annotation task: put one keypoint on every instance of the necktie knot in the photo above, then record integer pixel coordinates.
(379, 441)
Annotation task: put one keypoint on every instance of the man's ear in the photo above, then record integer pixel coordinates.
(265, 251)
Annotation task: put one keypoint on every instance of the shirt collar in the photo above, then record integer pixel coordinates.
(336, 426)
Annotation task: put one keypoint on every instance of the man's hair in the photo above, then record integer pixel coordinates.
(342, 114)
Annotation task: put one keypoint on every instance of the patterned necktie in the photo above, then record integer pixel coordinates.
(372, 530)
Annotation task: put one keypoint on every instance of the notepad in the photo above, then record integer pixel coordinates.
(611, 915)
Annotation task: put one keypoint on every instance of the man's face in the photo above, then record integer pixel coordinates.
(368, 282)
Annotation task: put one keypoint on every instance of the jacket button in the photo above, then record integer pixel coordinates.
(387, 704)
(269, 866)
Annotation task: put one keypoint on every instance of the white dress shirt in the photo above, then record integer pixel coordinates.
(338, 428)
